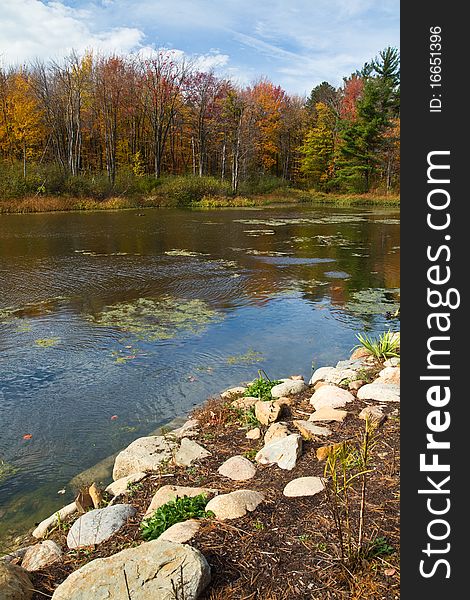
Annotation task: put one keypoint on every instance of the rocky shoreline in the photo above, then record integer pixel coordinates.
(265, 468)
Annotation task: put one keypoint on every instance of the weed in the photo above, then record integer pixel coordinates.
(245, 416)
(261, 387)
(134, 488)
(379, 547)
(386, 346)
(258, 525)
(250, 454)
(173, 512)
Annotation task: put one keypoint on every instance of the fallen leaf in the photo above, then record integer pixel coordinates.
(27, 436)
(114, 417)
(390, 572)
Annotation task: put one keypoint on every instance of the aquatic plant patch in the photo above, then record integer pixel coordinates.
(158, 319)
(250, 357)
(374, 301)
(47, 342)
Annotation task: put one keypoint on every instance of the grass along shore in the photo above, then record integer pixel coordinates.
(339, 543)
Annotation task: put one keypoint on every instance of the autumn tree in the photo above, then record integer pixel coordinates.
(319, 147)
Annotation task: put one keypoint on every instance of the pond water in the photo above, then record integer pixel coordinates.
(113, 323)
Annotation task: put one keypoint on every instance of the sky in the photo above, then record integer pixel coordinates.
(294, 43)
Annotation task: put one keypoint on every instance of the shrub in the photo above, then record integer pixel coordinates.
(185, 189)
(261, 387)
(386, 346)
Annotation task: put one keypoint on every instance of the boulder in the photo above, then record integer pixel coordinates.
(233, 393)
(98, 525)
(380, 392)
(275, 432)
(283, 452)
(289, 387)
(266, 411)
(253, 434)
(328, 414)
(320, 374)
(235, 504)
(189, 452)
(331, 396)
(14, 583)
(152, 571)
(392, 362)
(171, 492)
(374, 414)
(237, 468)
(179, 533)
(360, 352)
(244, 402)
(304, 486)
(144, 454)
(44, 526)
(355, 385)
(41, 555)
(121, 486)
(309, 431)
(389, 375)
(188, 429)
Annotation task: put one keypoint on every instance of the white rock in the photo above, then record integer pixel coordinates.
(380, 392)
(276, 431)
(392, 362)
(97, 525)
(331, 396)
(41, 555)
(144, 454)
(304, 486)
(189, 452)
(320, 374)
(121, 486)
(170, 492)
(328, 414)
(283, 452)
(179, 533)
(235, 504)
(152, 571)
(253, 434)
(288, 388)
(14, 583)
(237, 468)
(244, 402)
(233, 393)
(188, 429)
(373, 413)
(52, 521)
(309, 431)
(266, 411)
(389, 375)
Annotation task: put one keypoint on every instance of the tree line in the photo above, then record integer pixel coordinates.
(163, 116)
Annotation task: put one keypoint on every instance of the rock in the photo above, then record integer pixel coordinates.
(374, 414)
(324, 451)
(233, 393)
(380, 392)
(318, 385)
(284, 401)
(320, 374)
(360, 353)
(83, 501)
(41, 555)
(237, 468)
(15, 555)
(52, 521)
(96, 495)
(189, 452)
(297, 377)
(266, 411)
(179, 533)
(253, 434)
(144, 454)
(355, 385)
(275, 432)
(309, 431)
(354, 364)
(304, 486)
(152, 571)
(121, 486)
(171, 492)
(235, 504)
(98, 525)
(188, 429)
(392, 362)
(14, 583)
(389, 375)
(244, 402)
(283, 452)
(288, 388)
(331, 396)
(328, 414)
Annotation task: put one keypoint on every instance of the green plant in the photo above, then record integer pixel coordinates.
(174, 511)
(245, 416)
(379, 547)
(250, 454)
(133, 488)
(386, 346)
(261, 387)
(258, 525)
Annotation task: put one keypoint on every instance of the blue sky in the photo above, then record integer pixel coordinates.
(295, 43)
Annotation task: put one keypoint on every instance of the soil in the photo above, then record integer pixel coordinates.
(288, 548)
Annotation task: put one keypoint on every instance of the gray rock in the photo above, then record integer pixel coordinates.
(289, 387)
(170, 492)
(267, 412)
(328, 414)
(98, 525)
(179, 533)
(144, 454)
(309, 431)
(189, 452)
(284, 452)
(353, 363)
(380, 392)
(304, 486)
(237, 468)
(44, 526)
(331, 396)
(235, 504)
(41, 555)
(275, 432)
(121, 486)
(14, 583)
(152, 571)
